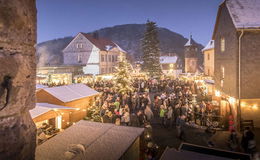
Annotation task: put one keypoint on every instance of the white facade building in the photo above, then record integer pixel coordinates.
(170, 65)
(97, 55)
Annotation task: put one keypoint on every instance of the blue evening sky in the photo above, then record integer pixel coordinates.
(61, 18)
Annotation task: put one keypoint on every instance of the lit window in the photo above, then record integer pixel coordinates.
(171, 65)
(222, 83)
(222, 44)
(223, 72)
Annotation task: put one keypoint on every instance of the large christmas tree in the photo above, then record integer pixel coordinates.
(123, 81)
(151, 50)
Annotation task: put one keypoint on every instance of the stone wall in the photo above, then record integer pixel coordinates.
(17, 78)
(229, 58)
(250, 64)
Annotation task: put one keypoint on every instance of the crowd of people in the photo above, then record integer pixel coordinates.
(171, 101)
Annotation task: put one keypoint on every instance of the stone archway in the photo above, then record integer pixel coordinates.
(17, 78)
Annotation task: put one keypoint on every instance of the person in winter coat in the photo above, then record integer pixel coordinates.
(233, 141)
(134, 120)
(126, 118)
(248, 143)
(180, 123)
(141, 117)
(244, 141)
(149, 113)
(162, 115)
(169, 117)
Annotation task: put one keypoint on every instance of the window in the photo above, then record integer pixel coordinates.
(102, 58)
(116, 59)
(223, 72)
(222, 76)
(106, 58)
(113, 58)
(79, 45)
(222, 44)
(79, 57)
(110, 58)
(208, 56)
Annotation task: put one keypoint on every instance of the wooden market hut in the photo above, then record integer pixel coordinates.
(93, 141)
(77, 96)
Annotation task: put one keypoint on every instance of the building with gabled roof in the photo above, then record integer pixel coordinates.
(55, 115)
(78, 96)
(191, 56)
(171, 65)
(237, 59)
(208, 52)
(97, 55)
(93, 141)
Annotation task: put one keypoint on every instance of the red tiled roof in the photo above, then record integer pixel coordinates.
(100, 43)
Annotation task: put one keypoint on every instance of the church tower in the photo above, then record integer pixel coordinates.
(190, 54)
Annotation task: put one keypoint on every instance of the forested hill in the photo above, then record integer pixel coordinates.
(127, 36)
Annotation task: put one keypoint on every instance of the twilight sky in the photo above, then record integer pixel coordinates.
(61, 18)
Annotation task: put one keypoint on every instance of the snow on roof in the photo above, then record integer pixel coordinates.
(168, 59)
(209, 81)
(40, 86)
(169, 153)
(120, 48)
(101, 141)
(244, 13)
(210, 45)
(42, 108)
(190, 42)
(71, 92)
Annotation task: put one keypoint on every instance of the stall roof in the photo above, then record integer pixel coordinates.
(173, 154)
(41, 86)
(100, 140)
(168, 59)
(42, 108)
(71, 92)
